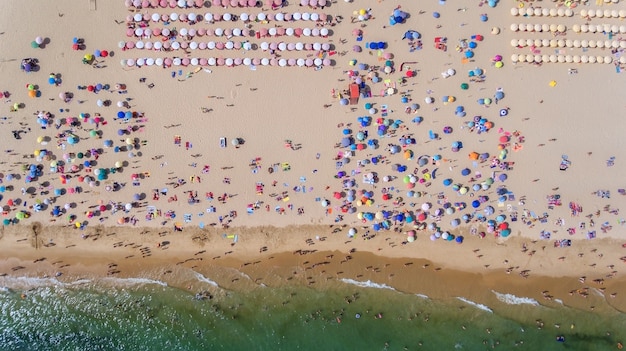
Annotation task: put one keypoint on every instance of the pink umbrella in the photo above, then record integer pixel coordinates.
(185, 61)
(156, 31)
(297, 32)
(167, 45)
(264, 32)
(182, 17)
(217, 17)
(220, 61)
(291, 62)
(315, 32)
(130, 44)
(167, 61)
(280, 31)
(273, 46)
(154, 3)
(201, 32)
(219, 45)
(308, 46)
(199, 3)
(165, 32)
(243, 3)
(184, 45)
(225, 3)
(304, 2)
(256, 61)
(273, 62)
(326, 62)
(204, 62)
(216, 2)
(237, 45)
(228, 32)
(192, 32)
(323, 17)
(173, 3)
(165, 17)
(234, 3)
(209, 32)
(202, 46)
(163, 3)
(268, 2)
(238, 61)
(325, 46)
(130, 32)
(288, 17)
(309, 62)
(270, 17)
(251, 3)
(313, 3)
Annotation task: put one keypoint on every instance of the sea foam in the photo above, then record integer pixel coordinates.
(511, 299)
(204, 279)
(475, 304)
(367, 284)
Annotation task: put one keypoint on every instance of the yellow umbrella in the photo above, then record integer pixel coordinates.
(552, 83)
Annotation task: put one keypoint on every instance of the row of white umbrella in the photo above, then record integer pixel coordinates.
(218, 32)
(542, 12)
(183, 4)
(219, 45)
(220, 61)
(521, 27)
(603, 13)
(599, 28)
(564, 59)
(227, 17)
(568, 43)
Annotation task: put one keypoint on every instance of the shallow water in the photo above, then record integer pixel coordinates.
(139, 314)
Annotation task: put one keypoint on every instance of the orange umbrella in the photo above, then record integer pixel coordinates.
(473, 155)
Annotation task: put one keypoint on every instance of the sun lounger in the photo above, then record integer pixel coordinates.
(354, 94)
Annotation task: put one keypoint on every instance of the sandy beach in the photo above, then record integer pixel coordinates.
(476, 172)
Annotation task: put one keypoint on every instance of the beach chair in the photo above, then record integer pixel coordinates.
(187, 217)
(354, 94)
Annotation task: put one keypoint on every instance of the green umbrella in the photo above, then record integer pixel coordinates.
(34, 45)
(93, 133)
(464, 86)
(80, 155)
(20, 215)
(6, 221)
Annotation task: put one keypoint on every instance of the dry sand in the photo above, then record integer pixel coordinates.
(579, 117)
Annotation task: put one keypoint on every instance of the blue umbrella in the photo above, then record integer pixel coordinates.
(465, 171)
(436, 14)
(475, 204)
(447, 182)
(483, 18)
(469, 54)
(52, 80)
(459, 239)
(120, 114)
(343, 102)
(504, 112)
(499, 95)
(472, 45)
(128, 115)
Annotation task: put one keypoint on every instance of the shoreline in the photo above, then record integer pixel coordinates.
(117, 253)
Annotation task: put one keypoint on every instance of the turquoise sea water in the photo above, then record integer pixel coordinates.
(137, 314)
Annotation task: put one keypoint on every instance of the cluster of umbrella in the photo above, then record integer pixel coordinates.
(362, 15)
(144, 4)
(397, 17)
(411, 35)
(37, 43)
(33, 90)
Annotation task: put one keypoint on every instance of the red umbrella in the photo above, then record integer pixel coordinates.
(503, 226)
(410, 73)
(337, 195)
(102, 208)
(504, 139)
(421, 217)
(386, 196)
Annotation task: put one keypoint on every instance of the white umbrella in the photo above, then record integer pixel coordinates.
(264, 46)
(299, 46)
(237, 32)
(174, 17)
(306, 32)
(175, 45)
(244, 17)
(280, 16)
(282, 46)
(300, 62)
(219, 32)
(265, 61)
(192, 16)
(194, 61)
(138, 17)
(261, 16)
(149, 61)
(158, 61)
(247, 61)
(227, 17)
(229, 62)
(193, 45)
(177, 61)
(324, 32)
(208, 17)
(306, 16)
(212, 61)
(272, 31)
(282, 62)
(183, 31)
(296, 16)
(156, 17)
